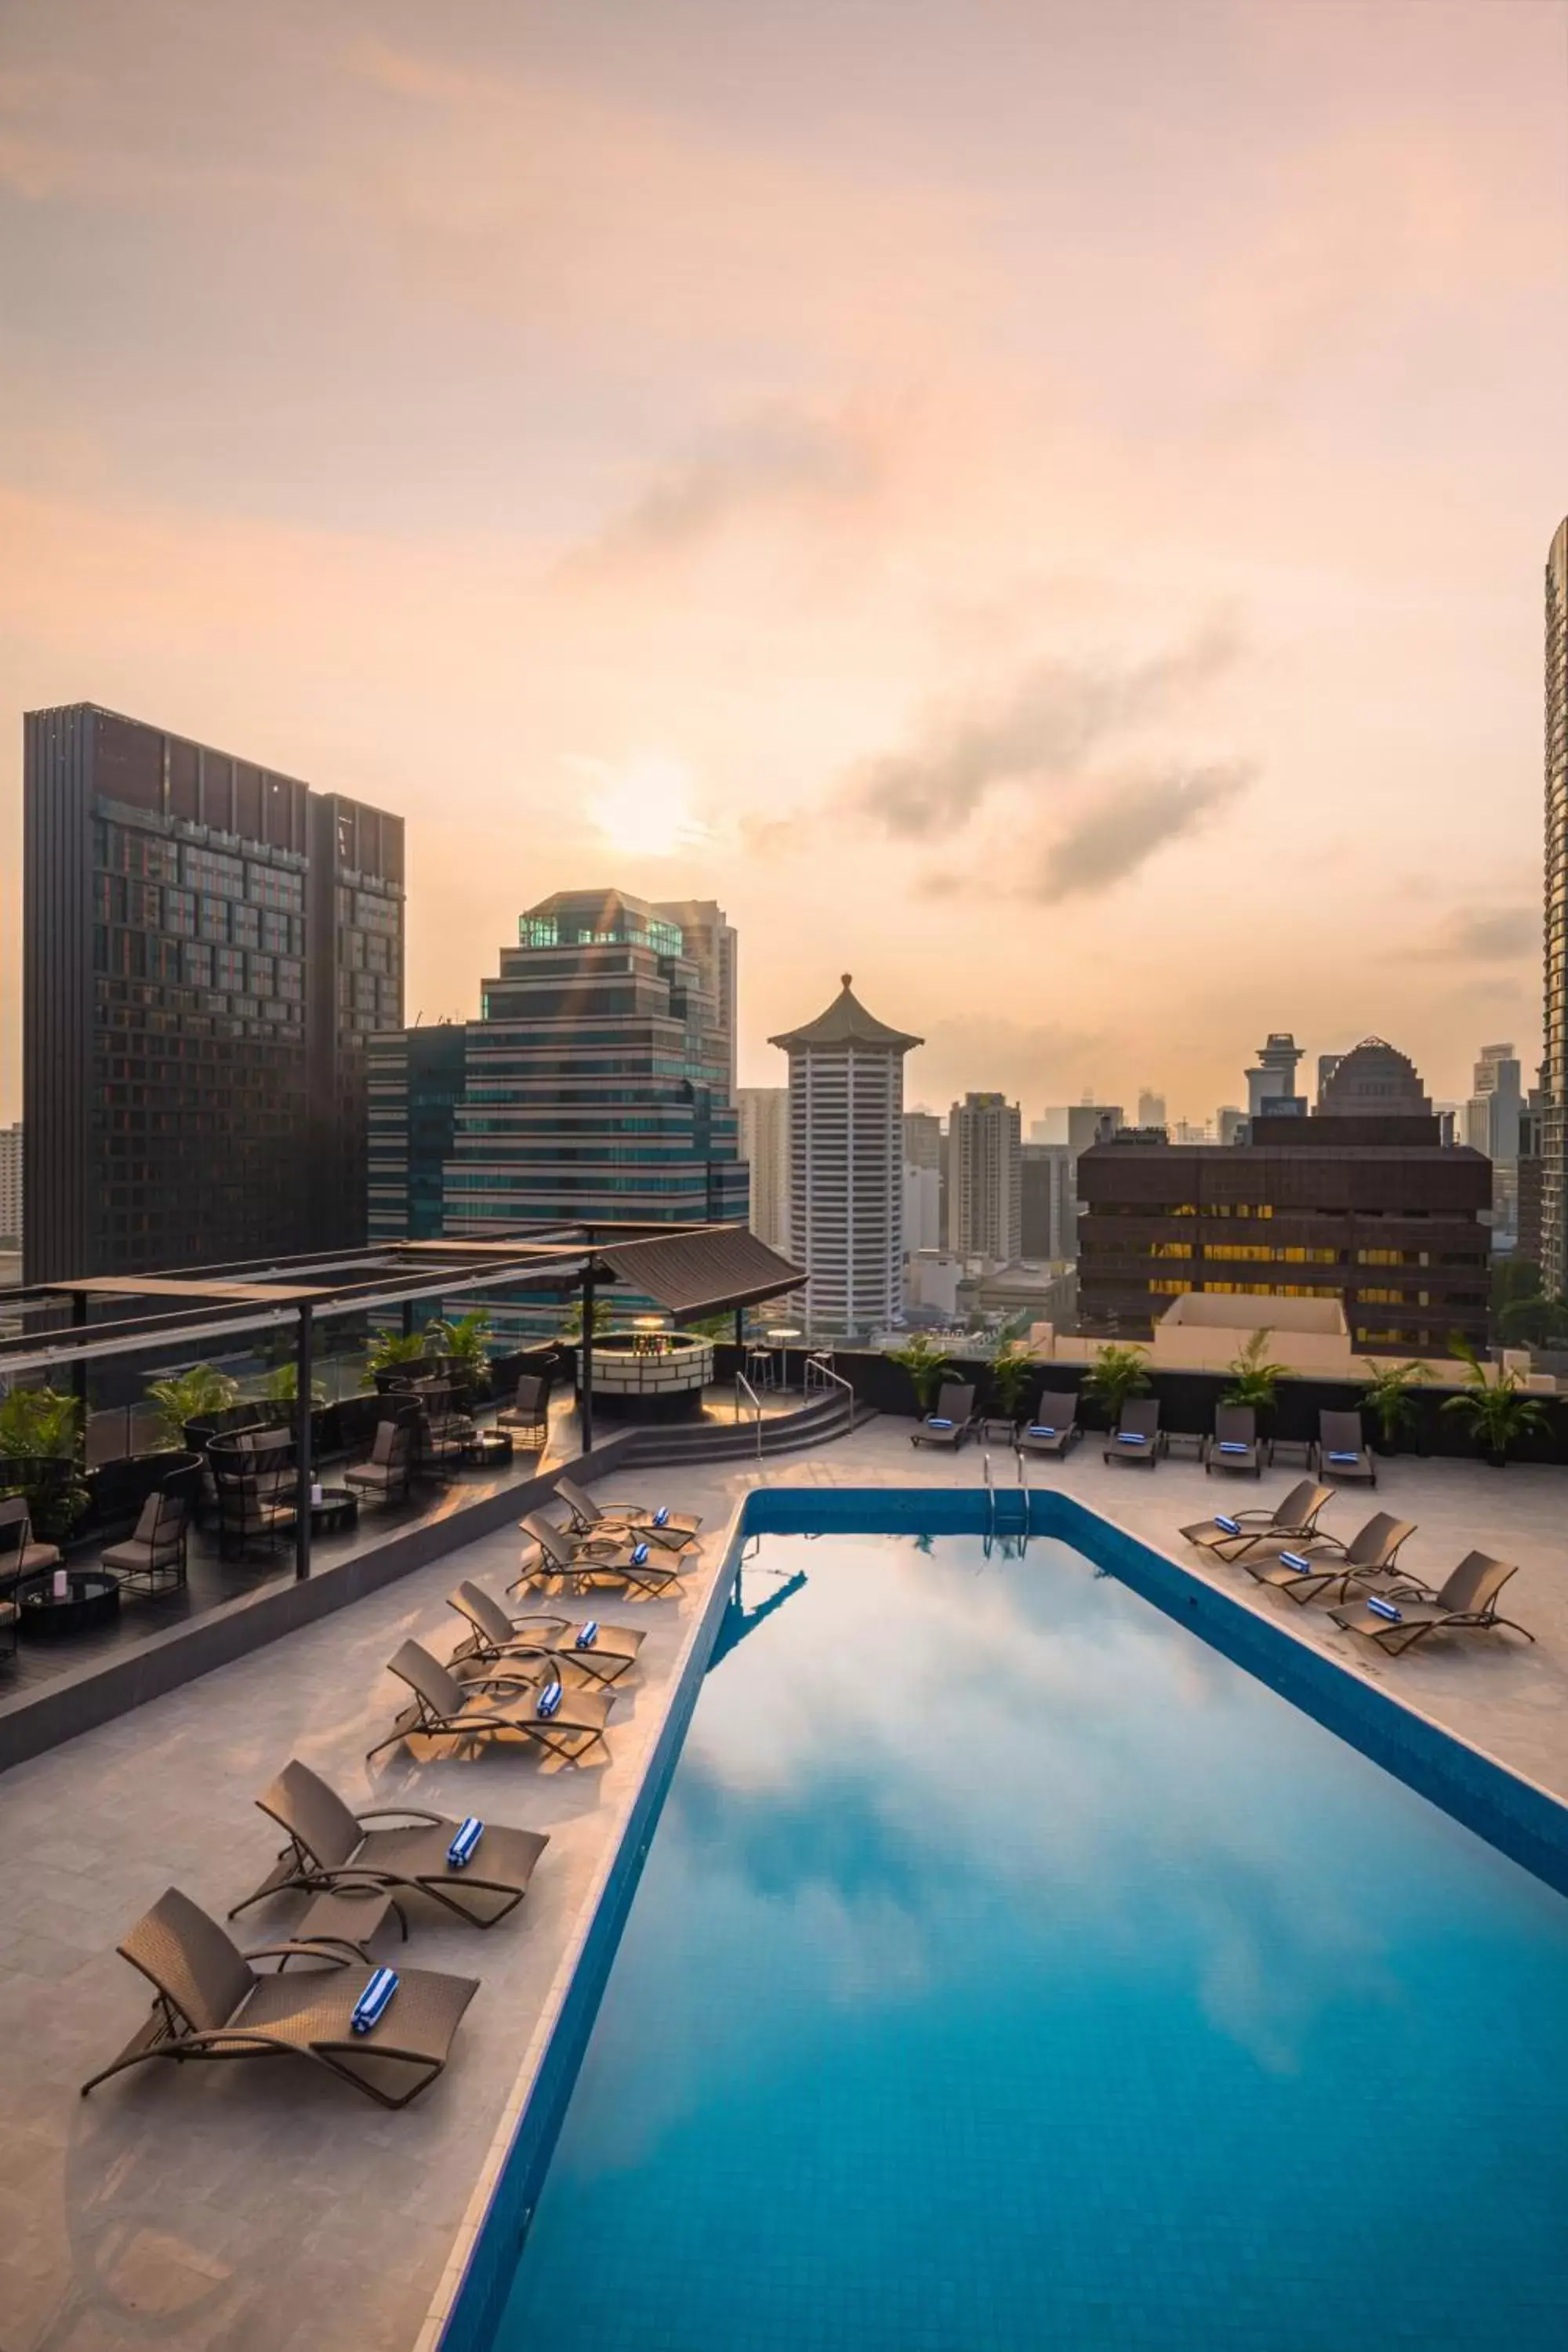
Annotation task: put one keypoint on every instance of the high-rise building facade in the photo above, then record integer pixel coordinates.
(1151, 1107)
(985, 1177)
(1049, 1219)
(846, 1165)
(1271, 1086)
(1367, 1207)
(764, 1147)
(207, 947)
(594, 1087)
(10, 1186)
(1554, 1079)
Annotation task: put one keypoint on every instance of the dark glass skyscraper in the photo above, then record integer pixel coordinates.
(594, 1087)
(208, 946)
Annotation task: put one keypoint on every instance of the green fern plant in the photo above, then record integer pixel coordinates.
(187, 1396)
(282, 1387)
(1007, 1374)
(466, 1342)
(389, 1350)
(1495, 1403)
(1386, 1396)
(1116, 1374)
(1253, 1379)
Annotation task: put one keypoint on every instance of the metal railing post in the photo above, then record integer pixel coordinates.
(302, 1435)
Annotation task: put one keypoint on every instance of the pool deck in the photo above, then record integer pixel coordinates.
(262, 2208)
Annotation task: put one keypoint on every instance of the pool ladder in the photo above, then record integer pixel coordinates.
(999, 1521)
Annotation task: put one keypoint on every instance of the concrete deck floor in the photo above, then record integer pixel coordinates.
(268, 2209)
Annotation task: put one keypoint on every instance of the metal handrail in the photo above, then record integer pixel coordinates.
(839, 1381)
(990, 1496)
(1026, 1491)
(743, 1383)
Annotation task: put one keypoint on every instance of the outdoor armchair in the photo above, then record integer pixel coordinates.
(386, 1472)
(153, 1555)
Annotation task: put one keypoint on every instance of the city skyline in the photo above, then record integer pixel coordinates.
(813, 533)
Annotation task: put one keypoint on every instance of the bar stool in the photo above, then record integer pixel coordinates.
(761, 1370)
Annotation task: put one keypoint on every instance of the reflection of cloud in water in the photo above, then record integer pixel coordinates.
(907, 1728)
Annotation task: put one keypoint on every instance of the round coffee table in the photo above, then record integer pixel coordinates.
(91, 1598)
(336, 1512)
(490, 1446)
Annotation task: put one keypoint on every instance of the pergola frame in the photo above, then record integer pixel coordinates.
(323, 1286)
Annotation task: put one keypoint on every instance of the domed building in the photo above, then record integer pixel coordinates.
(1374, 1080)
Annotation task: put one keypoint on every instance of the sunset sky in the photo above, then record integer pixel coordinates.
(1039, 503)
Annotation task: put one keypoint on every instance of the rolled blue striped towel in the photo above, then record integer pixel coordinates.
(461, 1850)
(1039, 1429)
(1298, 1562)
(661, 1516)
(1231, 1527)
(1342, 1456)
(1234, 1446)
(371, 2006)
(639, 1554)
(588, 1636)
(548, 1703)
(1381, 1608)
(937, 1420)
(1130, 1437)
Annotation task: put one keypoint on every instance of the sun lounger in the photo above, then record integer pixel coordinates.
(1054, 1427)
(1466, 1603)
(1137, 1436)
(600, 1653)
(1232, 1534)
(581, 1561)
(498, 1707)
(1341, 1452)
(1366, 1561)
(1234, 1446)
(331, 1847)
(671, 1530)
(952, 1420)
(211, 2003)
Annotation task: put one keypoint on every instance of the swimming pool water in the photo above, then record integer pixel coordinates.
(1012, 1969)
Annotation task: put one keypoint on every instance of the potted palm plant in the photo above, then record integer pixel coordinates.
(1495, 1404)
(1253, 1379)
(1116, 1374)
(40, 1433)
(1387, 1398)
(389, 1350)
(192, 1396)
(927, 1365)
(282, 1387)
(466, 1344)
(1007, 1378)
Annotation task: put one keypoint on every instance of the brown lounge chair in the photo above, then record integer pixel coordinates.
(154, 1555)
(1342, 1452)
(493, 1637)
(498, 1707)
(1467, 1604)
(1367, 1559)
(952, 1421)
(581, 1561)
(20, 1556)
(329, 1847)
(211, 2003)
(1137, 1436)
(1292, 1521)
(1234, 1446)
(671, 1530)
(1054, 1427)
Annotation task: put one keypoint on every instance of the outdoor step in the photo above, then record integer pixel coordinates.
(817, 1424)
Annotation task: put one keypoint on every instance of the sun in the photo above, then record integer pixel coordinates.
(644, 807)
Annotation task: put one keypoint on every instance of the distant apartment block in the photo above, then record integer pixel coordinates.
(1554, 1076)
(985, 1177)
(1366, 1208)
(1151, 1107)
(10, 1187)
(764, 1147)
(593, 1087)
(208, 945)
(846, 1165)
(1048, 1211)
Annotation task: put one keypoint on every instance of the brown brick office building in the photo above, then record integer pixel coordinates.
(1370, 1210)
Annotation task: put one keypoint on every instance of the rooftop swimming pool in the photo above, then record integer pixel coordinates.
(1013, 1968)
